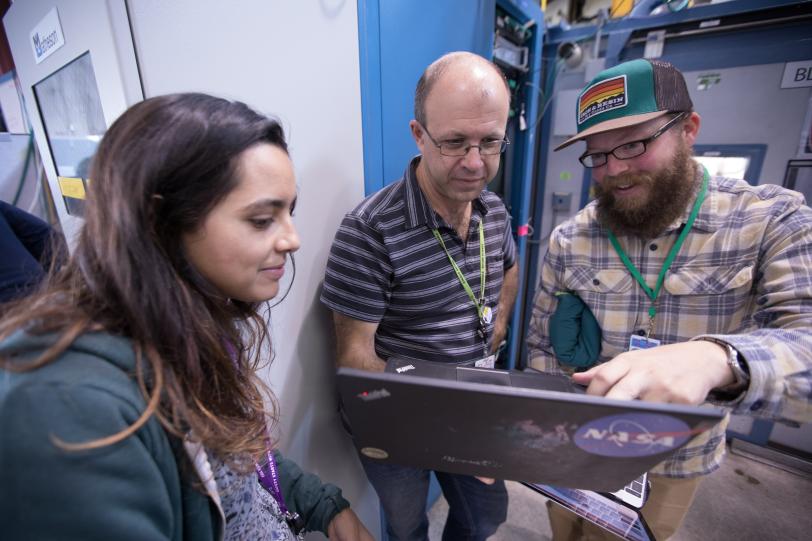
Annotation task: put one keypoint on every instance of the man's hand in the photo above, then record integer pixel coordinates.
(678, 373)
(507, 296)
(499, 332)
(346, 526)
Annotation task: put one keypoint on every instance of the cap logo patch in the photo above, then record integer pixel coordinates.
(602, 97)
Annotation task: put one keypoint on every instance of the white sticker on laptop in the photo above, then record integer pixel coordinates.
(632, 434)
(374, 452)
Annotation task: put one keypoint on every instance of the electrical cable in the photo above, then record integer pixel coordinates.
(545, 93)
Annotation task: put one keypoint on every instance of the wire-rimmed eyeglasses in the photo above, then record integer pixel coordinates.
(458, 147)
(629, 150)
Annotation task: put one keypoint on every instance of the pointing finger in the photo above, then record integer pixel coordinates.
(607, 375)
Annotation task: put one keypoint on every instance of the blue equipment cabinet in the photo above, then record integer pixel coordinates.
(397, 40)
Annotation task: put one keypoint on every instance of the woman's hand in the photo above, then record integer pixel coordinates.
(346, 526)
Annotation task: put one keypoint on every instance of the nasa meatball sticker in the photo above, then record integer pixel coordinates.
(632, 434)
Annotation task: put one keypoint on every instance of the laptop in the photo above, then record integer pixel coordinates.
(633, 493)
(545, 432)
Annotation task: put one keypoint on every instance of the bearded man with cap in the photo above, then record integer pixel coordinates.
(701, 286)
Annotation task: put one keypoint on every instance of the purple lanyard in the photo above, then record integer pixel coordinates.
(269, 475)
(269, 479)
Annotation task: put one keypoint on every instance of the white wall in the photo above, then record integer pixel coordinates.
(298, 61)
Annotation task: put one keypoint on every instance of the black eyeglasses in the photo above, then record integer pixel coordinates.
(629, 150)
(458, 147)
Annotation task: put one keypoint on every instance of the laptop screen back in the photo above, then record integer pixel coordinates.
(557, 438)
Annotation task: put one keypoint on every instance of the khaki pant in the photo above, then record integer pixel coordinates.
(666, 507)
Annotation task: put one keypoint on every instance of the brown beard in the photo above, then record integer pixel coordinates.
(669, 192)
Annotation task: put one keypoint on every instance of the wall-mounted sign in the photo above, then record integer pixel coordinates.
(797, 74)
(47, 36)
(706, 80)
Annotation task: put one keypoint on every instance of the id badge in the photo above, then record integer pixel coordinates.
(487, 315)
(487, 362)
(641, 342)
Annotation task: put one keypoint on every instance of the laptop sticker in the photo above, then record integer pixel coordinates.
(377, 394)
(529, 435)
(406, 368)
(632, 435)
(374, 452)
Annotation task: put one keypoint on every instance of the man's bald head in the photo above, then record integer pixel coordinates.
(458, 64)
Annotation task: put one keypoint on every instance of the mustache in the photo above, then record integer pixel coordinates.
(625, 179)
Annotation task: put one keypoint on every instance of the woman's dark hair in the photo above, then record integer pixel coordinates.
(158, 171)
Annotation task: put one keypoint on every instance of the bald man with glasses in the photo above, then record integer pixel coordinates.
(425, 269)
(701, 286)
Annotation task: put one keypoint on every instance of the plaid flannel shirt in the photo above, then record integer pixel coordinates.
(743, 276)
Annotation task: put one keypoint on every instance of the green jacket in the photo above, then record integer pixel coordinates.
(130, 490)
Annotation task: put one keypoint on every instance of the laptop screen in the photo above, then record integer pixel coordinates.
(619, 519)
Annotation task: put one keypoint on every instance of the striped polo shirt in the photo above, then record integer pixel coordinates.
(386, 266)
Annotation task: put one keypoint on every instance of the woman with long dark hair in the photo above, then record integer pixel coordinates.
(129, 403)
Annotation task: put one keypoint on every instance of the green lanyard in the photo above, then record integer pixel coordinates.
(652, 294)
(481, 302)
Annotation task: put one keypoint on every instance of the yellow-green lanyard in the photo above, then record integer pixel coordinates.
(479, 304)
(652, 294)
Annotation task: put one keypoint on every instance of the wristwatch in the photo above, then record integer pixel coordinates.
(739, 369)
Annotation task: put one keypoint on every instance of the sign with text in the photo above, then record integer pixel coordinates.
(47, 36)
(797, 74)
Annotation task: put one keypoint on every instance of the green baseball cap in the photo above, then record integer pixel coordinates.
(628, 94)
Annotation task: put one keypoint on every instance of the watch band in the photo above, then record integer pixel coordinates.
(739, 370)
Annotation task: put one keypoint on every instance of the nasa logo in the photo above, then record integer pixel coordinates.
(632, 434)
